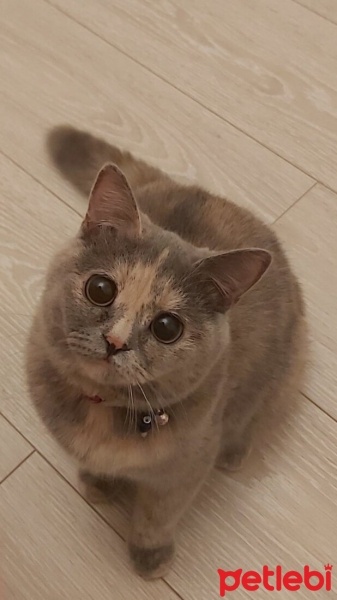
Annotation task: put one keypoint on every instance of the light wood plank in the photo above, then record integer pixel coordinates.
(56, 547)
(325, 8)
(268, 67)
(309, 233)
(33, 225)
(55, 71)
(13, 448)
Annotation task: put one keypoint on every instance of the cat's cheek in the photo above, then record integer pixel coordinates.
(165, 359)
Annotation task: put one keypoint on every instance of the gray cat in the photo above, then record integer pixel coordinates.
(164, 327)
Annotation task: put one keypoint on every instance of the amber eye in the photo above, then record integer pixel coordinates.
(167, 328)
(100, 290)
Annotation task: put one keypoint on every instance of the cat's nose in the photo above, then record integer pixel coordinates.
(114, 341)
(114, 345)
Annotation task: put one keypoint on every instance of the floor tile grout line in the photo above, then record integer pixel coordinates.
(29, 174)
(188, 95)
(17, 430)
(318, 406)
(314, 12)
(173, 589)
(294, 203)
(17, 466)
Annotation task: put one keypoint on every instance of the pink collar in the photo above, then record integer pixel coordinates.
(95, 399)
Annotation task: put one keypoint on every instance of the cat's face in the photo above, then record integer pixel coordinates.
(130, 311)
(132, 304)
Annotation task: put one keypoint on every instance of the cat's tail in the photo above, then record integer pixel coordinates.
(79, 156)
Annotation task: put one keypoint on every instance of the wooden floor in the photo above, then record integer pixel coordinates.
(241, 96)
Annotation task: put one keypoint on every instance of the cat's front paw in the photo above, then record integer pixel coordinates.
(233, 458)
(152, 563)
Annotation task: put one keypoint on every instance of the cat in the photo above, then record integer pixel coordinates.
(164, 327)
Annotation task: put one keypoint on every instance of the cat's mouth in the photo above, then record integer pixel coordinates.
(108, 370)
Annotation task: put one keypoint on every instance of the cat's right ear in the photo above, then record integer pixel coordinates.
(112, 204)
(226, 277)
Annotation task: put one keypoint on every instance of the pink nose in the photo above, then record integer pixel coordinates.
(115, 341)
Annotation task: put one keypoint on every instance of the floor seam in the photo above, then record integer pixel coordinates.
(30, 174)
(18, 466)
(294, 203)
(318, 406)
(17, 430)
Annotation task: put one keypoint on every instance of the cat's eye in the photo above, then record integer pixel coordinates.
(167, 328)
(100, 290)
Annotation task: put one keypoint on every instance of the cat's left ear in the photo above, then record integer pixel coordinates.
(111, 203)
(230, 275)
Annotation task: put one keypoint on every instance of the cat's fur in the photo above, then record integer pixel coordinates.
(175, 254)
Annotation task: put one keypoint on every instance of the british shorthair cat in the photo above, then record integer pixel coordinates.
(165, 326)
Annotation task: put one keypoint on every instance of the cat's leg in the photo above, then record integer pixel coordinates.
(96, 490)
(234, 450)
(156, 515)
(236, 439)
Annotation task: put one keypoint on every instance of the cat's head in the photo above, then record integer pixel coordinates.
(128, 302)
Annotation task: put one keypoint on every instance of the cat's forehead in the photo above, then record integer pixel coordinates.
(148, 272)
(144, 283)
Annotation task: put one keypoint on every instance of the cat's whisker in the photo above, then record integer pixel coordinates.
(148, 403)
(133, 411)
(132, 415)
(127, 408)
(142, 372)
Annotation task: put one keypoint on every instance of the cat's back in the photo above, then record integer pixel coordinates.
(203, 219)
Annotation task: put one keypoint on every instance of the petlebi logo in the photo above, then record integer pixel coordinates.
(275, 580)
